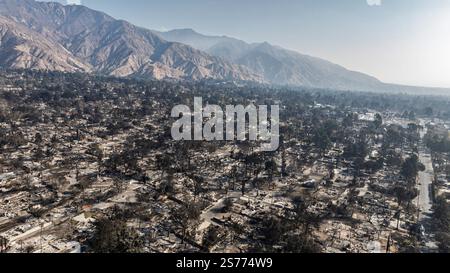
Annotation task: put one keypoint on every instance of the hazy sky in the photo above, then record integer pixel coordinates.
(399, 41)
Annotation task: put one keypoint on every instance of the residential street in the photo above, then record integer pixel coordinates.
(424, 200)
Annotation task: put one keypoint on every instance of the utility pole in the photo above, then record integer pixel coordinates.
(42, 227)
(388, 247)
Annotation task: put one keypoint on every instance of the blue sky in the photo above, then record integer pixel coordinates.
(399, 41)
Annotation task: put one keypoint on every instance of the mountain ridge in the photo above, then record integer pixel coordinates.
(286, 67)
(277, 65)
(99, 43)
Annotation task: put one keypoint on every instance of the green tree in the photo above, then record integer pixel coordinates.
(113, 236)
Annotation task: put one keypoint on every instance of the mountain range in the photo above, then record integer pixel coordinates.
(74, 38)
(277, 65)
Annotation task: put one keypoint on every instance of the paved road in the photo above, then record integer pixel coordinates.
(425, 181)
(424, 200)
